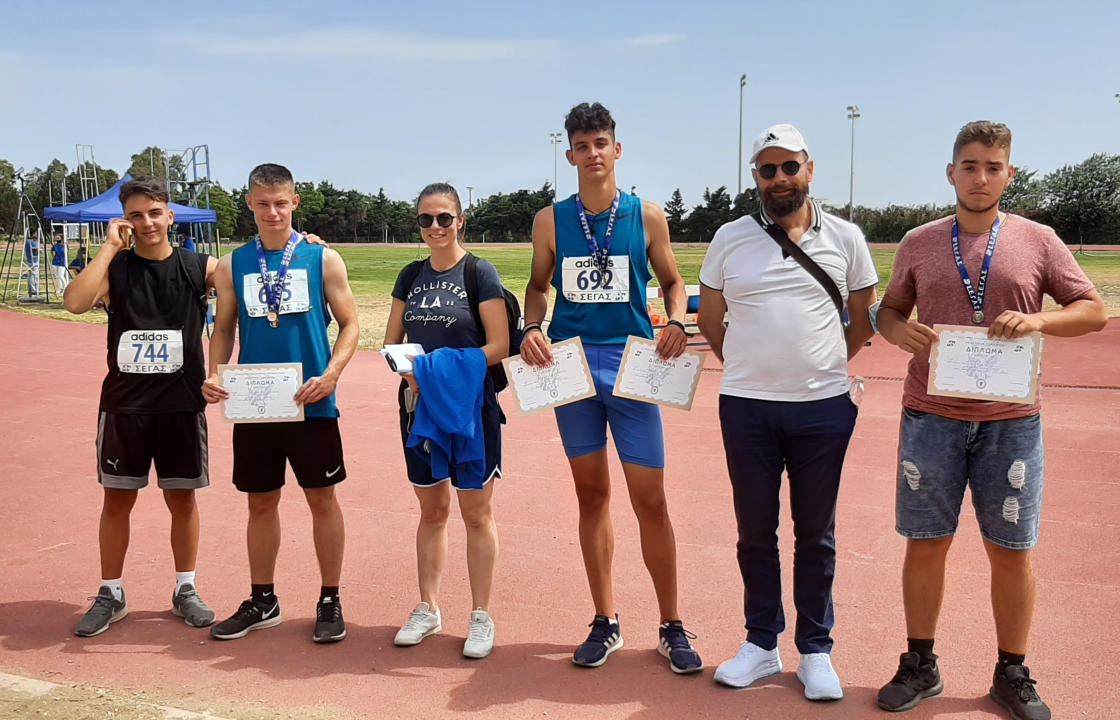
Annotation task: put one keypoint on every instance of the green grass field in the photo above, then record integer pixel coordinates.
(373, 270)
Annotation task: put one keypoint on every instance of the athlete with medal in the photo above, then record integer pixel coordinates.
(993, 448)
(155, 296)
(282, 293)
(596, 248)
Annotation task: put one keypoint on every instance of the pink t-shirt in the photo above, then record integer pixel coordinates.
(1029, 261)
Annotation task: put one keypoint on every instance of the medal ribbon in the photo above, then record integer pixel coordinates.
(274, 291)
(600, 255)
(976, 297)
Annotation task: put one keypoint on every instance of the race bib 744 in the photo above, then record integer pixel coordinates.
(150, 351)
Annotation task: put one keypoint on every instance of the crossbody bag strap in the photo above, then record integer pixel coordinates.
(778, 233)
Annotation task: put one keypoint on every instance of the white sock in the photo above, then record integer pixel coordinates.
(115, 586)
(182, 578)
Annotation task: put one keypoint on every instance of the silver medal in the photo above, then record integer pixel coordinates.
(978, 316)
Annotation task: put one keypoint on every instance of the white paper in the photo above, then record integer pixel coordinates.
(566, 380)
(583, 282)
(150, 351)
(968, 361)
(261, 393)
(644, 375)
(294, 298)
(399, 355)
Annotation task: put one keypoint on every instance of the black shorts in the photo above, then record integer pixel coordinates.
(420, 472)
(313, 448)
(127, 445)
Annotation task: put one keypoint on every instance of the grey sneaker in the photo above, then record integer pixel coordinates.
(105, 610)
(480, 636)
(188, 605)
(422, 622)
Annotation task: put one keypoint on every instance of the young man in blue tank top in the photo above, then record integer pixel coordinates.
(595, 248)
(282, 293)
(151, 392)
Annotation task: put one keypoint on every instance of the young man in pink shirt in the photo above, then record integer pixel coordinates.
(954, 273)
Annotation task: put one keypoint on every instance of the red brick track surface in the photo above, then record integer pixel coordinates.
(50, 373)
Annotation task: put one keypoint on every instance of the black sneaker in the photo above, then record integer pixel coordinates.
(675, 645)
(1013, 688)
(105, 610)
(604, 639)
(913, 683)
(250, 616)
(329, 626)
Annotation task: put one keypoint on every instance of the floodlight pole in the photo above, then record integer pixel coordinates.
(853, 113)
(470, 196)
(742, 85)
(555, 139)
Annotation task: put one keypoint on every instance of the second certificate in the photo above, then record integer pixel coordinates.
(645, 376)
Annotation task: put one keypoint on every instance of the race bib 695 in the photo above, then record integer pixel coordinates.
(150, 351)
(294, 297)
(583, 282)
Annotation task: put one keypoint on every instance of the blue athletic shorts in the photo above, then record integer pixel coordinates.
(1000, 460)
(635, 426)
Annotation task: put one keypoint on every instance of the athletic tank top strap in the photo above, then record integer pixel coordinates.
(602, 307)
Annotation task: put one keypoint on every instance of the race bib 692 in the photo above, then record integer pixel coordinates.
(150, 351)
(583, 282)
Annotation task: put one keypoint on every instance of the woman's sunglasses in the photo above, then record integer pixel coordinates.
(444, 220)
(790, 168)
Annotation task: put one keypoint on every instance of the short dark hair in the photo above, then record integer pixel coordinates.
(151, 187)
(588, 118)
(271, 175)
(440, 188)
(988, 133)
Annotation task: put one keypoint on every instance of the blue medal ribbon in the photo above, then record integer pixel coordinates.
(274, 291)
(976, 297)
(599, 255)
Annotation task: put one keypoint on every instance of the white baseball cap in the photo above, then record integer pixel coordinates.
(784, 136)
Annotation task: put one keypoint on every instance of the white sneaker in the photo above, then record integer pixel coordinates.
(751, 663)
(818, 677)
(422, 622)
(480, 637)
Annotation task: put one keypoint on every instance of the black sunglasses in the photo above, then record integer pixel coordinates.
(790, 168)
(444, 220)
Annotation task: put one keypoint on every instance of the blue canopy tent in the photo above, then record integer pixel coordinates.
(107, 206)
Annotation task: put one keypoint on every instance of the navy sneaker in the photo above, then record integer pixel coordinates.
(1013, 688)
(604, 639)
(675, 645)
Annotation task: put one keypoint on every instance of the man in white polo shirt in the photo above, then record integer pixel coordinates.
(784, 401)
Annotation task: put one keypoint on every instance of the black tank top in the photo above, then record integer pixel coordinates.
(155, 355)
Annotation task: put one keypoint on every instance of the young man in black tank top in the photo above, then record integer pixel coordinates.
(154, 297)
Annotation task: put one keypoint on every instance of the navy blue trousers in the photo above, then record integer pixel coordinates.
(808, 440)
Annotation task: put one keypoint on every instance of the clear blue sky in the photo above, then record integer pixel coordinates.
(399, 94)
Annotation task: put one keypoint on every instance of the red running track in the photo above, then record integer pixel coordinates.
(50, 372)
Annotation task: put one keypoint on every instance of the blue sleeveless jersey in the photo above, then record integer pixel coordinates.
(595, 305)
(304, 316)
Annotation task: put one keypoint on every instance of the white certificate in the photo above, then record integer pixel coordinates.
(261, 393)
(566, 380)
(644, 375)
(966, 363)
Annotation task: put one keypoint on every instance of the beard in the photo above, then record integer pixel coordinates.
(979, 207)
(785, 204)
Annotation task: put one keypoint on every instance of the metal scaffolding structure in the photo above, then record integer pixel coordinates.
(188, 182)
(87, 171)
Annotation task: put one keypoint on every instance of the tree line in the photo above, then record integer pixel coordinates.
(1080, 201)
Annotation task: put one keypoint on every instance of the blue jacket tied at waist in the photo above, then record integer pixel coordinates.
(447, 429)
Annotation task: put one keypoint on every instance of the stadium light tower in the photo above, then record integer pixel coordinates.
(556, 139)
(853, 113)
(742, 86)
